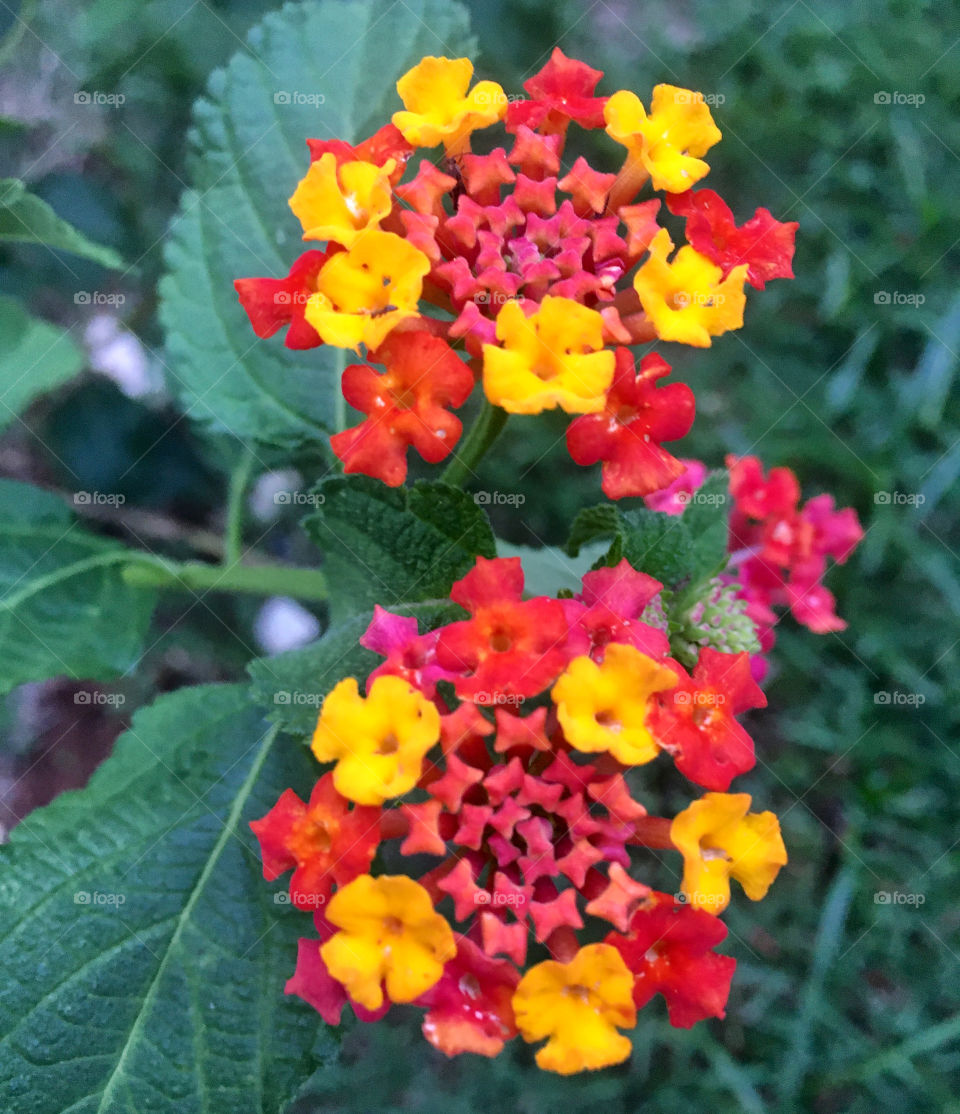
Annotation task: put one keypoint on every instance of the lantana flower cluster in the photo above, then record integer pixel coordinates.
(778, 554)
(479, 845)
(516, 269)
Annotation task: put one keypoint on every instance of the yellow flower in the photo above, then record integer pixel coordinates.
(364, 292)
(439, 108)
(338, 202)
(579, 1006)
(553, 358)
(720, 840)
(389, 931)
(671, 140)
(379, 742)
(604, 707)
(686, 299)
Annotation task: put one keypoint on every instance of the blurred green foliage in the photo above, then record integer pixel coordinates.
(848, 375)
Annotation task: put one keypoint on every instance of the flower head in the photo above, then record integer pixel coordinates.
(552, 358)
(578, 1006)
(440, 107)
(389, 934)
(272, 303)
(721, 839)
(671, 141)
(364, 292)
(563, 91)
(627, 434)
(765, 245)
(341, 200)
(605, 707)
(324, 841)
(687, 299)
(695, 721)
(470, 1009)
(378, 742)
(405, 406)
(669, 949)
(510, 647)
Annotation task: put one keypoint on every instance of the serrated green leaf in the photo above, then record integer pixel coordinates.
(34, 358)
(64, 606)
(143, 957)
(601, 521)
(394, 545)
(249, 136)
(706, 520)
(290, 687)
(27, 219)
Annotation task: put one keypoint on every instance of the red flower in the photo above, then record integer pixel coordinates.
(562, 91)
(509, 647)
(406, 406)
(387, 143)
(470, 1007)
(626, 435)
(273, 303)
(695, 721)
(312, 982)
(669, 949)
(325, 841)
(764, 244)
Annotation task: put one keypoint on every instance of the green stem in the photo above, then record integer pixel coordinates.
(485, 430)
(257, 580)
(240, 477)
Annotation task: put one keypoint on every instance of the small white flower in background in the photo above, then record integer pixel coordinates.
(284, 625)
(119, 355)
(264, 502)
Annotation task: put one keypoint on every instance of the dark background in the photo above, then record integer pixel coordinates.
(843, 117)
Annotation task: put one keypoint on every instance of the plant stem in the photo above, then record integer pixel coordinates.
(240, 477)
(485, 430)
(257, 580)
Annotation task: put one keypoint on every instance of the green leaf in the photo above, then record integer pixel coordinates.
(548, 570)
(675, 549)
(143, 957)
(600, 521)
(34, 358)
(64, 606)
(290, 687)
(25, 218)
(250, 134)
(392, 545)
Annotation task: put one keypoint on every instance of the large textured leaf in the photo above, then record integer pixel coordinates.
(315, 69)
(28, 219)
(290, 687)
(64, 606)
(391, 545)
(676, 549)
(34, 357)
(143, 957)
